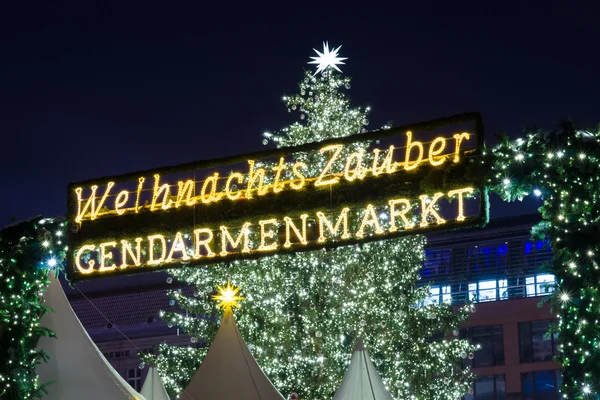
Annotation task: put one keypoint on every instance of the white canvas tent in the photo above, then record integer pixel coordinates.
(362, 382)
(77, 367)
(229, 372)
(153, 388)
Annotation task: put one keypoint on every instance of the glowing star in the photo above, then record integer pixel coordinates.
(228, 297)
(327, 58)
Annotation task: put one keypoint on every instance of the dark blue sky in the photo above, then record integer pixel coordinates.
(89, 89)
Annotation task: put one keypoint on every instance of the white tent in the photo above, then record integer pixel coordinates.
(229, 372)
(153, 388)
(362, 382)
(77, 367)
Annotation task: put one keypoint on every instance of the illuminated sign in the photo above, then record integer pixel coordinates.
(366, 187)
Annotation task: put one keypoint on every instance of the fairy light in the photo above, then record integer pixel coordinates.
(459, 137)
(90, 263)
(158, 191)
(208, 193)
(369, 218)
(106, 256)
(354, 169)
(233, 195)
(461, 205)
(335, 150)
(388, 166)
(120, 201)
(301, 179)
(342, 221)
(429, 209)
(256, 176)
(163, 249)
(291, 227)
(409, 146)
(178, 246)
(186, 193)
(127, 251)
(242, 239)
(267, 234)
(204, 243)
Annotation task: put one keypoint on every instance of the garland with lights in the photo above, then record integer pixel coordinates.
(305, 311)
(27, 251)
(563, 169)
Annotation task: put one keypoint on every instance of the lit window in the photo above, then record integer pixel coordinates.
(540, 284)
(438, 295)
(488, 290)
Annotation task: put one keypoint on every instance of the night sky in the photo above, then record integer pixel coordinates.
(89, 90)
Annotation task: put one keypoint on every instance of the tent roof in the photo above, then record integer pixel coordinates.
(153, 388)
(362, 382)
(77, 367)
(229, 371)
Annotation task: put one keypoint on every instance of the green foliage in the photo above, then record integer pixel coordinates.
(563, 168)
(25, 250)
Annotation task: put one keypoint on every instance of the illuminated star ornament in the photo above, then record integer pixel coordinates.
(228, 297)
(327, 58)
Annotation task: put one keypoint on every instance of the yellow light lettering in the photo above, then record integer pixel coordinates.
(159, 190)
(357, 171)
(299, 183)
(335, 149)
(428, 209)
(241, 238)
(163, 249)
(127, 250)
(409, 146)
(141, 180)
(388, 166)
(186, 192)
(233, 195)
(90, 263)
(459, 192)
(267, 234)
(289, 226)
(399, 213)
(278, 186)
(333, 229)
(91, 202)
(199, 243)
(104, 257)
(255, 176)
(369, 218)
(433, 152)
(178, 246)
(212, 196)
(459, 138)
(120, 201)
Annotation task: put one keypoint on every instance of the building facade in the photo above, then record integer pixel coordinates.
(497, 267)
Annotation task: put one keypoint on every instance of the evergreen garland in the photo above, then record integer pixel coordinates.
(27, 251)
(563, 168)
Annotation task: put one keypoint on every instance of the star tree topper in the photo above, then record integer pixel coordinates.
(327, 58)
(228, 297)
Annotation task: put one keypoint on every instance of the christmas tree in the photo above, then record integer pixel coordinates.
(305, 311)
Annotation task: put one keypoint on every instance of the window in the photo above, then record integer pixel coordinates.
(540, 385)
(438, 295)
(535, 344)
(488, 387)
(539, 285)
(491, 341)
(488, 290)
(134, 378)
